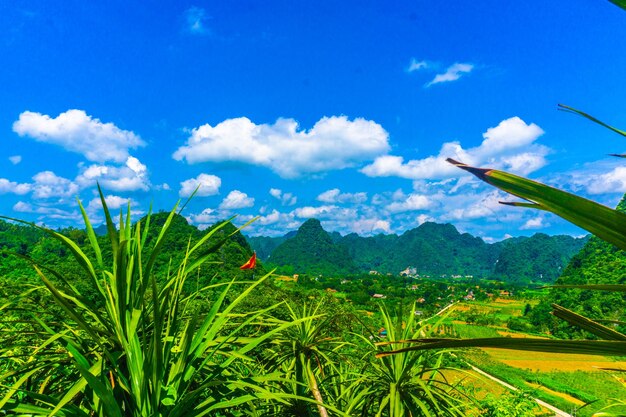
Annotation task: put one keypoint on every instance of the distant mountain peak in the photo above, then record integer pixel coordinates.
(311, 225)
(432, 249)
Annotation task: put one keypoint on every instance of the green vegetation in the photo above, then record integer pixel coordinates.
(541, 257)
(431, 250)
(510, 405)
(595, 388)
(312, 251)
(140, 322)
(156, 319)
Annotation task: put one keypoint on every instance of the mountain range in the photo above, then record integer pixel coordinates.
(431, 249)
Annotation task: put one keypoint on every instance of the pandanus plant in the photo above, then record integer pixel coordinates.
(409, 382)
(138, 349)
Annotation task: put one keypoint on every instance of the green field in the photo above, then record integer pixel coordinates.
(565, 381)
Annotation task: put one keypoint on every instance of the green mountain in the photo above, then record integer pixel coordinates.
(312, 251)
(435, 249)
(540, 257)
(431, 249)
(265, 245)
(368, 253)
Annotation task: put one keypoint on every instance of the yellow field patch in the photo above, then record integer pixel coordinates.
(514, 335)
(482, 386)
(507, 301)
(543, 361)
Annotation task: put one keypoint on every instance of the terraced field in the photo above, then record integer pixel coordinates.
(563, 380)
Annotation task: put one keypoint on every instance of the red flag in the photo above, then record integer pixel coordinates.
(250, 264)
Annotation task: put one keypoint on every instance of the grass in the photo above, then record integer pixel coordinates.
(586, 386)
(470, 331)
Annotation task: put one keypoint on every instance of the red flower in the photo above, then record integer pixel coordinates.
(250, 264)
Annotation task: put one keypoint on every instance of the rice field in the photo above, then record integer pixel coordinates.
(564, 380)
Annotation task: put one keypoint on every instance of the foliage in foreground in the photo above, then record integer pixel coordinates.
(143, 352)
(137, 340)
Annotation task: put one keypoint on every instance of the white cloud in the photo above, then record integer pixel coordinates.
(336, 196)
(48, 185)
(276, 193)
(209, 185)
(474, 206)
(613, 181)
(325, 212)
(7, 186)
(15, 159)
(416, 65)
(507, 146)
(333, 143)
(453, 73)
(113, 202)
(45, 211)
(510, 134)
(270, 218)
(534, 223)
(606, 176)
(423, 218)
(195, 19)
(370, 226)
(431, 167)
(309, 211)
(286, 199)
(412, 202)
(77, 132)
(132, 176)
(236, 200)
(208, 217)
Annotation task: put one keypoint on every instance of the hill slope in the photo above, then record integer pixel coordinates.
(598, 262)
(431, 249)
(313, 251)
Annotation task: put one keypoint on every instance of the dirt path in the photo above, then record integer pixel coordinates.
(557, 412)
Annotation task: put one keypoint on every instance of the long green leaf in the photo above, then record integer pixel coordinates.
(606, 223)
(111, 232)
(584, 323)
(103, 392)
(620, 3)
(587, 347)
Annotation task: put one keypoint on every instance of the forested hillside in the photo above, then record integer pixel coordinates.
(29, 241)
(598, 262)
(313, 251)
(429, 250)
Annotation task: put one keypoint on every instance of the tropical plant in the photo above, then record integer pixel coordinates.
(410, 383)
(306, 355)
(516, 404)
(145, 352)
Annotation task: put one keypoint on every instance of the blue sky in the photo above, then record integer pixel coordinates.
(287, 110)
